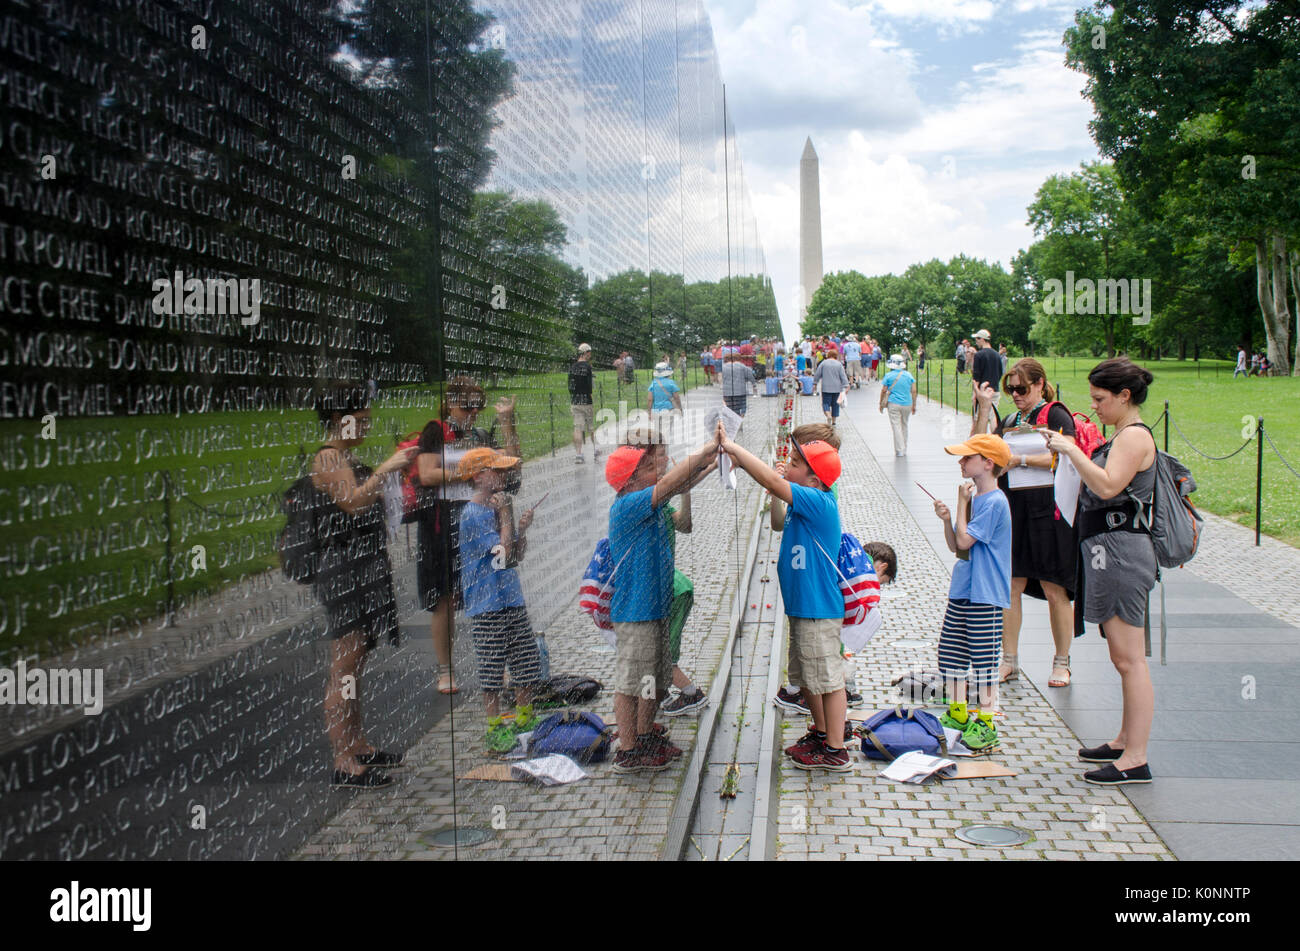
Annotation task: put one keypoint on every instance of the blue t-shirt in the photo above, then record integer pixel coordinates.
(780, 364)
(662, 390)
(800, 362)
(899, 383)
(810, 585)
(986, 578)
(486, 588)
(641, 547)
(853, 350)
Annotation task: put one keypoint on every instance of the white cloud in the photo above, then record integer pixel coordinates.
(824, 65)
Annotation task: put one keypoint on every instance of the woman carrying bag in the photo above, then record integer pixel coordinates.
(1044, 546)
(1117, 558)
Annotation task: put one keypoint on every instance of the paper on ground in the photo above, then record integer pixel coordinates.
(1068, 481)
(917, 767)
(552, 770)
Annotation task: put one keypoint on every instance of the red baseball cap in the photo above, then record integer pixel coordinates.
(822, 459)
(620, 465)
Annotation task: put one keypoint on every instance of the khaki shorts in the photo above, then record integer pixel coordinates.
(584, 417)
(642, 652)
(816, 663)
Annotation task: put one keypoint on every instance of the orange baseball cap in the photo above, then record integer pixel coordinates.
(476, 460)
(620, 465)
(983, 444)
(822, 459)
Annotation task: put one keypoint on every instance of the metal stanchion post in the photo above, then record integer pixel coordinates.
(1259, 473)
(551, 416)
(1166, 425)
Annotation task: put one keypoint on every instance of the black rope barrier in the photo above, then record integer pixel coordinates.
(1281, 458)
(1204, 454)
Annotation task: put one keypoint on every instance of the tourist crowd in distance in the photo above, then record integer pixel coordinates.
(457, 482)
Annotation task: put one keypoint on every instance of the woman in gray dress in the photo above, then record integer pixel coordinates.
(1117, 560)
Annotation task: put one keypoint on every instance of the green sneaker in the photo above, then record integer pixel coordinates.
(949, 722)
(500, 737)
(980, 735)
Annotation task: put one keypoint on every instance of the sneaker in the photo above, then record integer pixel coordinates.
(949, 723)
(850, 732)
(642, 758)
(660, 741)
(1108, 775)
(794, 702)
(807, 743)
(685, 703)
(853, 699)
(837, 761)
(980, 736)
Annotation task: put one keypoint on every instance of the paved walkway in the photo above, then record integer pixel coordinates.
(608, 815)
(857, 815)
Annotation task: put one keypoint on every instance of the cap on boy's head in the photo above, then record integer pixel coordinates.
(584, 348)
(476, 460)
(983, 444)
(982, 335)
(822, 459)
(620, 465)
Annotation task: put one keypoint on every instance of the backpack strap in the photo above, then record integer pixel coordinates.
(875, 741)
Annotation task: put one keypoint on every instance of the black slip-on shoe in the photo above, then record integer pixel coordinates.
(381, 758)
(1100, 754)
(1108, 775)
(370, 779)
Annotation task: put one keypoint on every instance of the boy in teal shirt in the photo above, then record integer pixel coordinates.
(810, 588)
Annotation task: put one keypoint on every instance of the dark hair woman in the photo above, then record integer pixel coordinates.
(443, 443)
(1117, 558)
(1044, 546)
(354, 579)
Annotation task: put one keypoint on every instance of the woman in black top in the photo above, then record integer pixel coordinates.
(1044, 547)
(354, 579)
(444, 493)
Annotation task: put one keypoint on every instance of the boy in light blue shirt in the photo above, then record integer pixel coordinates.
(970, 644)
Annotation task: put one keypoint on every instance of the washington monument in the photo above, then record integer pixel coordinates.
(810, 228)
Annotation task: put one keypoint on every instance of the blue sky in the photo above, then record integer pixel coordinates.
(935, 122)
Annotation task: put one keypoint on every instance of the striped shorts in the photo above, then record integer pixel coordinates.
(971, 642)
(505, 637)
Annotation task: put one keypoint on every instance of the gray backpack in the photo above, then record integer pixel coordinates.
(1173, 521)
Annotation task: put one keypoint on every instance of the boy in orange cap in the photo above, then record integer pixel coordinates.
(971, 638)
(810, 588)
(640, 607)
(493, 598)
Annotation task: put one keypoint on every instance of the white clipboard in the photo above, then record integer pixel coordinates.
(1027, 444)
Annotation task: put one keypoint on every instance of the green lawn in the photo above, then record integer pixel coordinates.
(1209, 406)
(89, 519)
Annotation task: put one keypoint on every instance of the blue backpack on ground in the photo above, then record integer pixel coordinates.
(891, 733)
(580, 736)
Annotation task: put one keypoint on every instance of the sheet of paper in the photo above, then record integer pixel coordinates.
(1068, 482)
(1026, 444)
(916, 767)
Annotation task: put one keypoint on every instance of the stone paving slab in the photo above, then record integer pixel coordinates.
(858, 815)
(608, 815)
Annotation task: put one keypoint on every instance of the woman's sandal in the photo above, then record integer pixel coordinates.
(1060, 663)
(1012, 661)
(446, 682)
(381, 758)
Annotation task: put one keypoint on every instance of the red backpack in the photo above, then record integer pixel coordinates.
(411, 474)
(1086, 434)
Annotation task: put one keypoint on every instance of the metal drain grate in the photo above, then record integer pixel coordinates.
(464, 837)
(996, 837)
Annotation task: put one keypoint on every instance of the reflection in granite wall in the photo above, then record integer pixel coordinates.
(210, 213)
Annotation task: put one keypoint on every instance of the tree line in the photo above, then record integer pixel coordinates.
(1183, 240)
